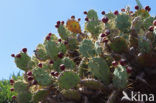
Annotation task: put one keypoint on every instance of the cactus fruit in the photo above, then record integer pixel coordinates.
(42, 77)
(68, 80)
(90, 65)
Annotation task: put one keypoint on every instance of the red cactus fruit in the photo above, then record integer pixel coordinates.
(114, 63)
(13, 97)
(116, 12)
(12, 89)
(12, 55)
(123, 62)
(18, 56)
(24, 50)
(137, 7)
(62, 67)
(40, 65)
(103, 12)
(85, 12)
(129, 69)
(105, 20)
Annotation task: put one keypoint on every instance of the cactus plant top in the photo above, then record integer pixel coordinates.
(92, 64)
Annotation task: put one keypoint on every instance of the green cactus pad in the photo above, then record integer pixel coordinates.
(56, 65)
(68, 63)
(68, 79)
(52, 49)
(119, 45)
(42, 77)
(110, 15)
(91, 84)
(20, 86)
(120, 78)
(92, 15)
(72, 44)
(41, 53)
(87, 48)
(94, 27)
(24, 97)
(98, 48)
(137, 23)
(63, 32)
(100, 69)
(71, 94)
(148, 22)
(123, 22)
(23, 61)
(144, 45)
(62, 48)
(40, 95)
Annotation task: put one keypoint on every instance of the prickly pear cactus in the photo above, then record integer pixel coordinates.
(90, 64)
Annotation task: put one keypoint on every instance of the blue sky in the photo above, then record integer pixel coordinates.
(24, 23)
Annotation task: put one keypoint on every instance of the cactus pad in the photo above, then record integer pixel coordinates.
(68, 79)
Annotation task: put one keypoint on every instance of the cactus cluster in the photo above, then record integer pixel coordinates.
(87, 66)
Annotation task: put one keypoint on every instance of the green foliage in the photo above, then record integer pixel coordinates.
(5, 93)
